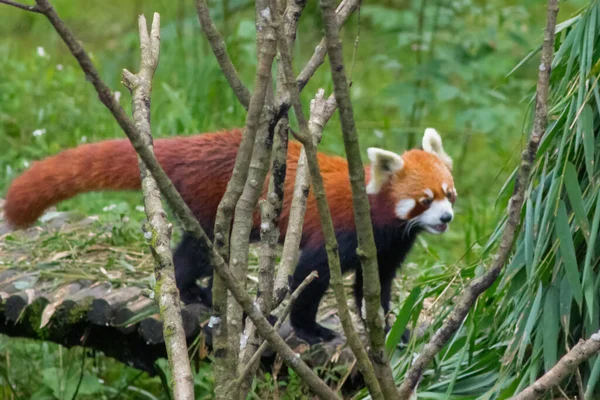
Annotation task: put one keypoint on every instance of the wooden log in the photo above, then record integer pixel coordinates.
(105, 307)
(49, 301)
(16, 282)
(140, 308)
(16, 303)
(85, 296)
(7, 274)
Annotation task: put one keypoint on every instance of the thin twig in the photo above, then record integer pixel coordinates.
(25, 7)
(479, 285)
(158, 229)
(218, 47)
(270, 209)
(256, 171)
(251, 365)
(563, 368)
(343, 12)
(366, 251)
(321, 110)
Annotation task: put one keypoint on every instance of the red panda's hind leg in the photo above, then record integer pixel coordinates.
(303, 315)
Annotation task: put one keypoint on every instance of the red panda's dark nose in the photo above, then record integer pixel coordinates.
(446, 217)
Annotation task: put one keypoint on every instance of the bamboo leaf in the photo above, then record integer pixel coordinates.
(533, 316)
(551, 327)
(529, 236)
(402, 320)
(587, 122)
(593, 380)
(567, 251)
(576, 198)
(566, 298)
(588, 284)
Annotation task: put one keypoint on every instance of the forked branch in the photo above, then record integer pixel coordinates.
(158, 229)
(583, 351)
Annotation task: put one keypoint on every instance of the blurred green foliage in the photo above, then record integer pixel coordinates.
(439, 63)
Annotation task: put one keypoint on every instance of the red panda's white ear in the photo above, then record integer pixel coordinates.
(432, 143)
(383, 164)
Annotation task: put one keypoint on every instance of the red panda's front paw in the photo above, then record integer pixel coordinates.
(315, 334)
(196, 294)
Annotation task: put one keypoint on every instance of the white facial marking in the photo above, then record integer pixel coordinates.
(455, 192)
(445, 187)
(431, 218)
(429, 193)
(404, 207)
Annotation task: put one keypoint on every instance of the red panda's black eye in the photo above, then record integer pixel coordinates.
(451, 197)
(426, 201)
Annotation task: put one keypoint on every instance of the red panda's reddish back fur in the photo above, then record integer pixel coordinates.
(199, 166)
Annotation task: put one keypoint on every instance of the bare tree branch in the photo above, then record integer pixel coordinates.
(479, 285)
(270, 211)
(243, 190)
(21, 6)
(291, 16)
(366, 251)
(343, 12)
(256, 172)
(270, 208)
(326, 222)
(321, 110)
(181, 210)
(158, 229)
(563, 368)
(250, 366)
(220, 50)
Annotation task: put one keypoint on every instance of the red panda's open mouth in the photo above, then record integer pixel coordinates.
(440, 227)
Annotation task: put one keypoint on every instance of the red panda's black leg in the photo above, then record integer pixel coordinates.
(303, 315)
(192, 263)
(358, 291)
(386, 278)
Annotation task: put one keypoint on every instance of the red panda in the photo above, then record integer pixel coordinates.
(408, 194)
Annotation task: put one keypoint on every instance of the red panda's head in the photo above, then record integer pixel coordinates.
(418, 183)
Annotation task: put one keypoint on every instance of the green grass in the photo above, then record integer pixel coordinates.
(457, 83)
